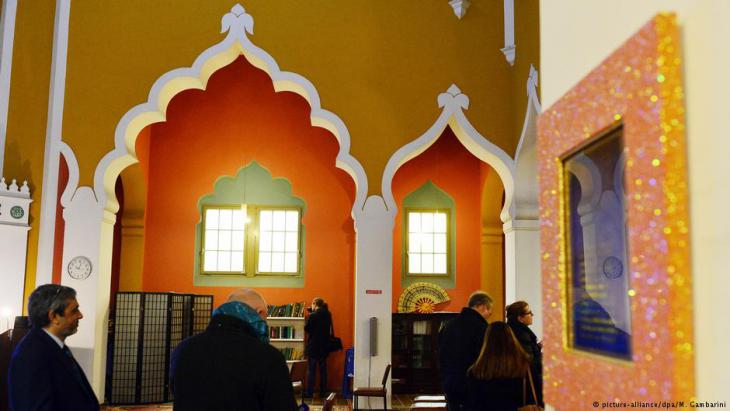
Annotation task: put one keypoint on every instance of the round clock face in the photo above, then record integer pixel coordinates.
(79, 268)
(612, 267)
(17, 212)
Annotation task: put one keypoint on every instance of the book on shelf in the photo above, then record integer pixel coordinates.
(284, 331)
(287, 310)
(292, 353)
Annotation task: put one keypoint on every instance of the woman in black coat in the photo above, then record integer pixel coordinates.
(317, 327)
(519, 318)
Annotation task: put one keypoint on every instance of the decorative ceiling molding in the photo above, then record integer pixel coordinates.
(237, 23)
(453, 102)
(509, 31)
(460, 7)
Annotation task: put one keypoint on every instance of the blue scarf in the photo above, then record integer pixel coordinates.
(246, 314)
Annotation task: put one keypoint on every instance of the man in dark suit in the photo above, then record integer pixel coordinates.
(43, 373)
(460, 342)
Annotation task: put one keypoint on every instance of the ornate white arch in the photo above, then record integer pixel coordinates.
(526, 187)
(589, 177)
(237, 23)
(453, 102)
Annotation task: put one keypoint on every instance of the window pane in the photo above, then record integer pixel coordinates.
(277, 262)
(237, 240)
(414, 242)
(224, 261)
(265, 220)
(414, 222)
(439, 243)
(427, 263)
(292, 221)
(265, 241)
(211, 261)
(225, 221)
(278, 240)
(224, 240)
(290, 262)
(427, 243)
(237, 261)
(238, 220)
(291, 242)
(427, 222)
(279, 220)
(439, 263)
(439, 223)
(414, 263)
(211, 239)
(211, 219)
(264, 262)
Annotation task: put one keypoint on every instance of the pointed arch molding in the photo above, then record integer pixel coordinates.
(453, 103)
(236, 23)
(526, 186)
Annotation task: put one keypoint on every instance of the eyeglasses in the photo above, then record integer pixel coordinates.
(527, 313)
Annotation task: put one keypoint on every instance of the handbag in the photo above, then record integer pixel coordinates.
(525, 406)
(333, 343)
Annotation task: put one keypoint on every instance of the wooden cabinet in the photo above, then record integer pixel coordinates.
(415, 352)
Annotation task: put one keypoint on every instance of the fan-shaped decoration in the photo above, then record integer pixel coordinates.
(421, 298)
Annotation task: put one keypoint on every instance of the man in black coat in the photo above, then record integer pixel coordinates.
(231, 366)
(460, 342)
(43, 373)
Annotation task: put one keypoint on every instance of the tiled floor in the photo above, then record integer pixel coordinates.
(398, 402)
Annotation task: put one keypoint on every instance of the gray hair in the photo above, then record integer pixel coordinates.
(48, 297)
(480, 297)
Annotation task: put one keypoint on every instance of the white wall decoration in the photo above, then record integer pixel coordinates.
(14, 210)
(460, 7)
(509, 48)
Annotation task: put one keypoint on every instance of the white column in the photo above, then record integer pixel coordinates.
(51, 158)
(89, 234)
(7, 35)
(373, 293)
(14, 210)
(522, 266)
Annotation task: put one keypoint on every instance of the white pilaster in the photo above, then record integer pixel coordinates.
(14, 209)
(49, 196)
(509, 31)
(7, 36)
(89, 233)
(373, 293)
(522, 266)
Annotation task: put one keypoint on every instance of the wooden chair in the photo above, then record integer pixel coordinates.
(296, 374)
(329, 402)
(373, 391)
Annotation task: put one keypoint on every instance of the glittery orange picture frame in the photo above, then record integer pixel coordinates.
(640, 87)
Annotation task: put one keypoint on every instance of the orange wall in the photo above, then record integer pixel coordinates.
(213, 133)
(456, 171)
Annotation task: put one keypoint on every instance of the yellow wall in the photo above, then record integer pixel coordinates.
(27, 113)
(379, 66)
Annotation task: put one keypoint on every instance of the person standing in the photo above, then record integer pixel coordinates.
(231, 365)
(496, 380)
(318, 328)
(519, 318)
(460, 341)
(43, 372)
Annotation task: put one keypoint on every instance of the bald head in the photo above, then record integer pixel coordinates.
(252, 299)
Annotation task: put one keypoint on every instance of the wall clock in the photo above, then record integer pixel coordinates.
(79, 267)
(612, 267)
